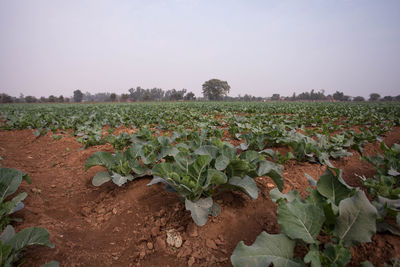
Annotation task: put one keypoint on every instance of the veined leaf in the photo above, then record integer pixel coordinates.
(277, 195)
(300, 220)
(267, 249)
(332, 186)
(357, 219)
(271, 169)
(9, 182)
(101, 178)
(30, 236)
(211, 151)
(200, 209)
(100, 158)
(216, 177)
(245, 184)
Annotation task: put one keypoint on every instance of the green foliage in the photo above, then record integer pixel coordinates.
(12, 244)
(10, 179)
(197, 176)
(215, 89)
(385, 186)
(332, 208)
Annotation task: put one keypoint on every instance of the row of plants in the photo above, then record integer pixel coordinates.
(273, 120)
(13, 244)
(327, 223)
(193, 165)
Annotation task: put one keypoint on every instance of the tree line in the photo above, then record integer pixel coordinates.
(214, 89)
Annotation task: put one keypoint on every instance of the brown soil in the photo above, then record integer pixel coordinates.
(127, 226)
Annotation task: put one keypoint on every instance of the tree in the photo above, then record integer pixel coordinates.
(338, 96)
(215, 89)
(374, 97)
(359, 99)
(52, 99)
(30, 99)
(275, 97)
(4, 98)
(78, 95)
(61, 99)
(388, 98)
(113, 97)
(124, 97)
(190, 96)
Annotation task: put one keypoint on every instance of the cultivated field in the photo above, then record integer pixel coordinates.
(215, 171)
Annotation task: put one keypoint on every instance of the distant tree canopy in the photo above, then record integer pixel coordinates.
(275, 97)
(358, 99)
(113, 97)
(78, 95)
(215, 89)
(374, 97)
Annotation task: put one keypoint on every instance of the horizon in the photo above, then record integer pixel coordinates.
(260, 48)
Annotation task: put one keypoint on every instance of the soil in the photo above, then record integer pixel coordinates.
(128, 225)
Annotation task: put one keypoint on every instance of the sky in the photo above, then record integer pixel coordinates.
(53, 47)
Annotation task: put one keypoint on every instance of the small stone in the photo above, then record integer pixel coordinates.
(53, 186)
(191, 261)
(101, 211)
(174, 238)
(142, 254)
(149, 245)
(211, 244)
(114, 211)
(155, 231)
(160, 243)
(192, 230)
(163, 221)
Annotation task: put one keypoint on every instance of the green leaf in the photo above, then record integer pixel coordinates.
(211, 151)
(100, 158)
(251, 156)
(30, 236)
(119, 179)
(271, 169)
(313, 257)
(184, 160)
(10, 179)
(164, 140)
(101, 178)
(336, 255)
(357, 220)
(12, 205)
(277, 195)
(366, 264)
(169, 151)
(245, 184)
(198, 169)
(238, 167)
(216, 177)
(228, 151)
(7, 233)
(221, 162)
(311, 180)
(51, 264)
(300, 220)
(200, 209)
(162, 169)
(267, 249)
(134, 150)
(332, 186)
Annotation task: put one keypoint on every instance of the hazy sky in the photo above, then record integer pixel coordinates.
(259, 47)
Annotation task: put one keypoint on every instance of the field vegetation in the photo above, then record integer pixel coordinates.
(206, 183)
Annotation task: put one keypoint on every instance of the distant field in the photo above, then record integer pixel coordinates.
(198, 150)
